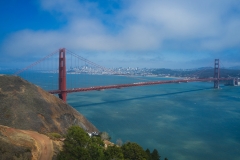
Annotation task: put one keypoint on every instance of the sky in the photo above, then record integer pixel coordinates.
(129, 33)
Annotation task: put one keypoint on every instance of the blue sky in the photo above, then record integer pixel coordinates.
(113, 33)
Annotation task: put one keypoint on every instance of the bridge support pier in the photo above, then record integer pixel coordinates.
(216, 73)
(62, 75)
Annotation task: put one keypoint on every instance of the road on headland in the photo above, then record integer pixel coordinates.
(43, 143)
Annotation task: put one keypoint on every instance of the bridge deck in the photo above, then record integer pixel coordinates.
(137, 84)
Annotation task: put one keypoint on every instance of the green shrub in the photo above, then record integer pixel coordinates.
(79, 146)
(54, 136)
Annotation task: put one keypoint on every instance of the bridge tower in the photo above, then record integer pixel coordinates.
(216, 73)
(62, 75)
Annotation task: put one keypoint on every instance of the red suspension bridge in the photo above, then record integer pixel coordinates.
(76, 61)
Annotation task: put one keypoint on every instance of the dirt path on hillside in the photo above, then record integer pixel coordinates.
(44, 145)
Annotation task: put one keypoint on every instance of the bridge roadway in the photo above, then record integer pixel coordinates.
(98, 88)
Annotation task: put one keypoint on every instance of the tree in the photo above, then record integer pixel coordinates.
(133, 151)
(155, 155)
(105, 136)
(96, 152)
(97, 140)
(75, 145)
(79, 146)
(148, 154)
(119, 142)
(113, 152)
(96, 148)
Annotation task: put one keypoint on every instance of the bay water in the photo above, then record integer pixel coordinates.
(186, 121)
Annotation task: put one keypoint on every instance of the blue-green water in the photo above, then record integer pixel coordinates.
(182, 121)
(186, 121)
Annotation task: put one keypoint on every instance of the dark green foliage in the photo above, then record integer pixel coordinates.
(133, 151)
(75, 145)
(113, 152)
(96, 148)
(96, 151)
(77, 136)
(165, 158)
(152, 156)
(79, 146)
(97, 140)
(155, 155)
(148, 154)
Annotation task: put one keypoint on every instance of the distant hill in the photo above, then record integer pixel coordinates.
(235, 67)
(197, 73)
(28, 107)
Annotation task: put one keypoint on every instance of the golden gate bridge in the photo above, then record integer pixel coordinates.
(62, 90)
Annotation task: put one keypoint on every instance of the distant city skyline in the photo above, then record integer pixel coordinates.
(122, 33)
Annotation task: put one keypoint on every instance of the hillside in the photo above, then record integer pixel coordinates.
(28, 107)
(24, 144)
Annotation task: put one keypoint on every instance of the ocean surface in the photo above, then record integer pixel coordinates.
(186, 121)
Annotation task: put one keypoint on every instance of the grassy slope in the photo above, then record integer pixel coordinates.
(26, 106)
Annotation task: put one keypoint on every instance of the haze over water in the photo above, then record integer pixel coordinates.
(182, 121)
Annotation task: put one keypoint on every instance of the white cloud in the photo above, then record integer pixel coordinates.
(228, 38)
(30, 42)
(142, 27)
